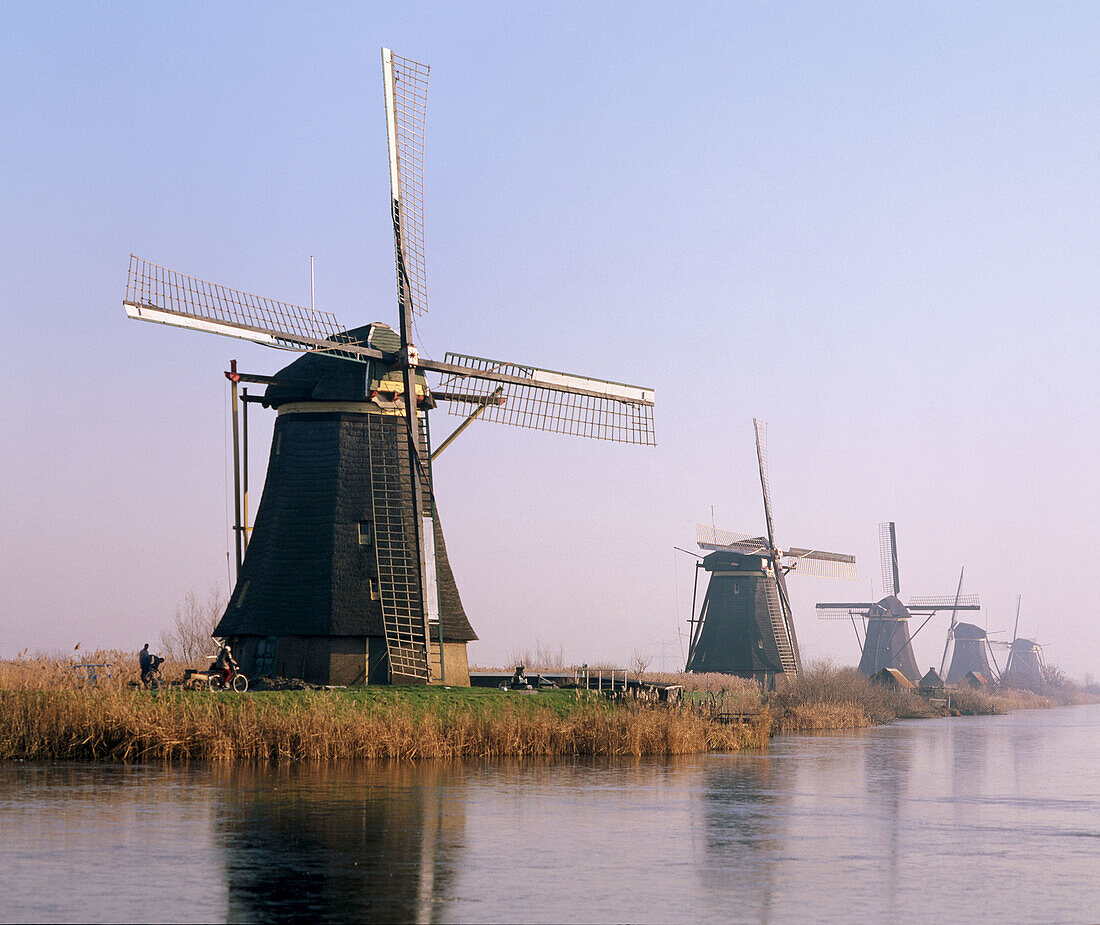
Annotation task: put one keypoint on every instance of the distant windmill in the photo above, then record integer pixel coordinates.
(886, 642)
(970, 652)
(344, 577)
(1025, 666)
(745, 626)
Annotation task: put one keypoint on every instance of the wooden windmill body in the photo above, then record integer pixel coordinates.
(744, 625)
(344, 578)
(886, 641)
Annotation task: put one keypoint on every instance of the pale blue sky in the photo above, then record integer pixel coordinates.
(873, 225)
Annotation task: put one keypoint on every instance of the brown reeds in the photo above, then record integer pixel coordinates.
(322, 726)
(49, 711)
(58, 672)
(825, 697)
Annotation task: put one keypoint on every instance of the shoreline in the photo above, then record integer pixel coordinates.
(399, 724)
(46, 714)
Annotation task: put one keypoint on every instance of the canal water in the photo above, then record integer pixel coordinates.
(987, 818)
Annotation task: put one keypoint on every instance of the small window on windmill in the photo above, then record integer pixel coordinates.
(266, 650)
(278, 443)
(736, 589)
(366, 532)
(242, 592)
(374, 595)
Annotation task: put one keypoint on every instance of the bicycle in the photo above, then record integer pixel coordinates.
(150, 679)
(237, 682)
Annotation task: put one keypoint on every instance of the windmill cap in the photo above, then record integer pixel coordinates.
(319, 377)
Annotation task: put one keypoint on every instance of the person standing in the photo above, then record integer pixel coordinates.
(145, 660)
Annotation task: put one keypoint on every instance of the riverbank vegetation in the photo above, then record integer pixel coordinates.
(132, 725)
(50, 709)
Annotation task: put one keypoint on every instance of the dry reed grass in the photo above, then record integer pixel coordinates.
(49, 712)
(710, 683)
(973, 702)
(60, 672)
(825, 696)
(137, 726)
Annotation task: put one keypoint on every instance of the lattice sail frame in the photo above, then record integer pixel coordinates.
(888, 556)
(945, 602)
(813, 563)
(843, 611)
(928, 604)
(407, 109)
(155, 293)
(546, 400)
(760, 428)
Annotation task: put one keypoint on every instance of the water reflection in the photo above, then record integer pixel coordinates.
(935, 820)
(886, 772)
(330, 843)
(745, 821)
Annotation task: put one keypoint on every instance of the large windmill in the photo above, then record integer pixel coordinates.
(745, 626)
(886, 642)
(344, 576)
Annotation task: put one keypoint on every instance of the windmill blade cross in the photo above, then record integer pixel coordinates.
(547, 400)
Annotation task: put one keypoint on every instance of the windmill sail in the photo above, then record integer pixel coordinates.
(815, 563)
(406, 85)
(543, 399)
(761, 429)
(157, 294)
(782, 626)
(888, 553)
(945, 602)
(714, 539)
(396, 557)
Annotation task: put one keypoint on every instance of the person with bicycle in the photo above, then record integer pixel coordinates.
(225, 665)
(149, 664)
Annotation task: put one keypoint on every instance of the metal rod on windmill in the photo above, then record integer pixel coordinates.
(244, 470)
(233, 380)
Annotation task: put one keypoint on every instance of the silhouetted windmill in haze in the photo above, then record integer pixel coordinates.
(1025, 665)
(886, 642)
(745, 626)
(344, 577)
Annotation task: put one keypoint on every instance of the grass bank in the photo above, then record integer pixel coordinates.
(49, 712)
(373, 723)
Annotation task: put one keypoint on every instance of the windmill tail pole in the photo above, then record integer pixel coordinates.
(697, 625)
(914, 636)
(234, 378)
(996, 667)
(856, 631)
(244, 472)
